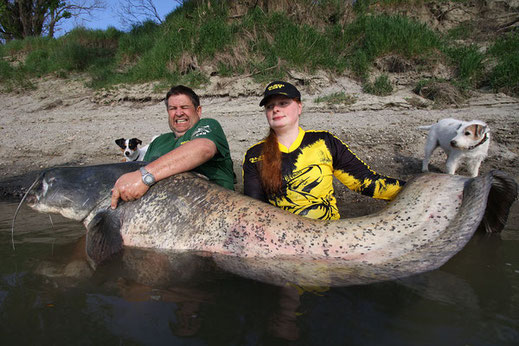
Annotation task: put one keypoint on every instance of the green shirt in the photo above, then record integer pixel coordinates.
(218, 169)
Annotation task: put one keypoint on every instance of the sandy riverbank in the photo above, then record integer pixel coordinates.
(64, 123)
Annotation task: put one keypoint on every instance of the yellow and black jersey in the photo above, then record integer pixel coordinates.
(308, 167)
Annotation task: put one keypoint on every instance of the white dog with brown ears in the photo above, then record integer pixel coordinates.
(461, 140)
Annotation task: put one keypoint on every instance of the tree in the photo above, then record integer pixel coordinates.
(132, 12)
(24, 18)
(71, 9)
(21, 18)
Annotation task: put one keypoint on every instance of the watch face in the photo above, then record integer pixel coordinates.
(148, 179)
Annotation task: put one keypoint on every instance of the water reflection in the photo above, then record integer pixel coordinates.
(49, 296)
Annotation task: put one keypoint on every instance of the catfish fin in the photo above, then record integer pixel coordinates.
(103, 239)
(503, 193)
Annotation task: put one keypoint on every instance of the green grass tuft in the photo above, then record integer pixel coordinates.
(338, 98)
(139, 40)
(505, 75)
(6, 71)
(370, 37)
(469, 64)
(381, 86)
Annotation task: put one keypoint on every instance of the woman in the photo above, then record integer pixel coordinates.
(293, 169)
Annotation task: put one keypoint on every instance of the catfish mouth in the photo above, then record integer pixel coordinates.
(44, 195)
(35, 192)
(32, 199)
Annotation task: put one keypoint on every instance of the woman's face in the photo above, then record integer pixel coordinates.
(283, 112)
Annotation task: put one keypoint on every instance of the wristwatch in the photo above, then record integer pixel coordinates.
(147, 177)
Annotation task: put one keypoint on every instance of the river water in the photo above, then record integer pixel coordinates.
(48, 295)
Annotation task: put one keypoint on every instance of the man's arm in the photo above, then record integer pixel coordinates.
(188, 156)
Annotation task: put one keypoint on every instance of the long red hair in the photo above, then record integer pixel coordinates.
(270, 168)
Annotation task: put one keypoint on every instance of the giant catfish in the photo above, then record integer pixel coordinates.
(432, 218)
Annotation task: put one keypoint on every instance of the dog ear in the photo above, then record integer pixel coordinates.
(481, 130)
(120, 142)
(133, 143)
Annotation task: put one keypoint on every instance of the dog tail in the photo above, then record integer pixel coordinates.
(425, 127)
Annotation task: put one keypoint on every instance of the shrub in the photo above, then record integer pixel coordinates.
(505, 75)
(381, 86)
(103, 40)
(37, 62)
(370, 37)
(11, 78)
(6, 71)
(27, 45)
(139, 40)
(469, 63)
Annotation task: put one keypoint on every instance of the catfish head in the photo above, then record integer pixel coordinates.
(75, 191)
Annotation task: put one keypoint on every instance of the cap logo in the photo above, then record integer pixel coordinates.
(275, 86)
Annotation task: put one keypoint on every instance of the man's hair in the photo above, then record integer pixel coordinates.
(183, 90)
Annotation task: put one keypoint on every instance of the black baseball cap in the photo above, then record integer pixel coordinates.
(280, 88)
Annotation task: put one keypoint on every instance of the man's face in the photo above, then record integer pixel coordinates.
(182, 114)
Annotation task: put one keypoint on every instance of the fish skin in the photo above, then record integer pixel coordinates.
(432, 219)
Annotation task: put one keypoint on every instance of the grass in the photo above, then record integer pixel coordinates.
(461, 31)
(505, 75)
(380, 87)
(338, 98)
(370, 37)
(78, 51)
(141, 38)
(263, 45)
(12, 79)
(469, 62)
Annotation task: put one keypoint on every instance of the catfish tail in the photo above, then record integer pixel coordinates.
(502, 194)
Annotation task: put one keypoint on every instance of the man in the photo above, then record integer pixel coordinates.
(194, 144)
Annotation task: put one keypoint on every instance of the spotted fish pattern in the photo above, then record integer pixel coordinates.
(431, 219)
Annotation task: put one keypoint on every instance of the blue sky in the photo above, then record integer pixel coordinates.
(109, 16)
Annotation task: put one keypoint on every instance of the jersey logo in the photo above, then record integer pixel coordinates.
(201, 131)
(256, 159)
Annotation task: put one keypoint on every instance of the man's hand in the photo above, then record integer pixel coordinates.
(188, 156)
(128, 187)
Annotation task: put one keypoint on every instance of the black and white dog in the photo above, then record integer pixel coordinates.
(131, 150)
(461, 140)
